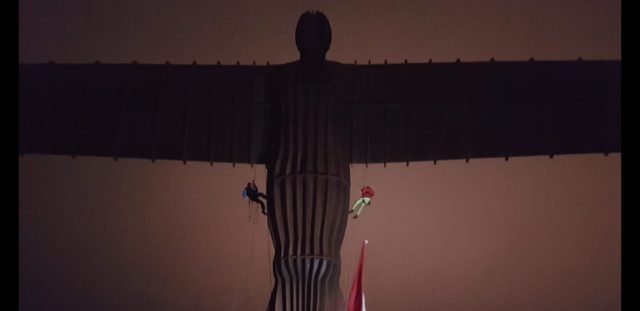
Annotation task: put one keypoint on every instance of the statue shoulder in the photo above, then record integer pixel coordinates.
(338, 68)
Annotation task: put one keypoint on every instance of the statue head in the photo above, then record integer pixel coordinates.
(313, 36)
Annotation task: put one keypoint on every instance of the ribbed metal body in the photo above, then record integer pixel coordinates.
(308, 187)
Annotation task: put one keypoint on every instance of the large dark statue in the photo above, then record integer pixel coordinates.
(308, 173)
(308, 120)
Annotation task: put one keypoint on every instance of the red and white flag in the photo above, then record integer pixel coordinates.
(356, 298)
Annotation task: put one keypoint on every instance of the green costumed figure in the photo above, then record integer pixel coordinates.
(366, 193)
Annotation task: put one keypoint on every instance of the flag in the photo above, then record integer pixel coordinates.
(356, 298)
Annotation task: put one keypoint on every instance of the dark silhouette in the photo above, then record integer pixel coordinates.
(308, 120)
(308, 172)
(251, 192)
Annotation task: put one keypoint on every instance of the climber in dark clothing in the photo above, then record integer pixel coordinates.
(251, 192)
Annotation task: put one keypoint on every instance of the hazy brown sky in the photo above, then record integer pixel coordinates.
(182, 31)
(528, 234)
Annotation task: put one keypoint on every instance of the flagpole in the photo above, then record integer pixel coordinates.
(356, 297)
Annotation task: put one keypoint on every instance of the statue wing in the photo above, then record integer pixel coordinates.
(400, 113)
(177, 112)
(443, 111)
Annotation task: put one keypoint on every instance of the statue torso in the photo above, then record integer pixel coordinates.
(310, 133)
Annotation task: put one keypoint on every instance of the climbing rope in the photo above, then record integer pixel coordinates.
(253, 220)
(269, 262)
(256, 216)
(248, 271)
